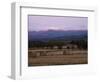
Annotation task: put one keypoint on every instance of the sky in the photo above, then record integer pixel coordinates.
(43, 23)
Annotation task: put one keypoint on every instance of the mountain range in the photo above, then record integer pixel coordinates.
(57, 35)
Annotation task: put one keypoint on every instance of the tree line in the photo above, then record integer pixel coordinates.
(82, 44)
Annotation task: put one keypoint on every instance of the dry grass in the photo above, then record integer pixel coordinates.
(71, 57)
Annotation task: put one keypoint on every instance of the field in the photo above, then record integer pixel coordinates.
(42, 57)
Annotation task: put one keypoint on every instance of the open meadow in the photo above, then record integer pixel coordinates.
(42, 57)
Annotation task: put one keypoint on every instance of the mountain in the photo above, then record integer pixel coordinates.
(57, 35)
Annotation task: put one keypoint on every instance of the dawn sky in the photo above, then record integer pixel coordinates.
(38, 23)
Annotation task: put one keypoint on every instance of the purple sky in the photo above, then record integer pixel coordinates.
(38, 23)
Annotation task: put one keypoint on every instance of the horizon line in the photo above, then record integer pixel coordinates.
(58, 30)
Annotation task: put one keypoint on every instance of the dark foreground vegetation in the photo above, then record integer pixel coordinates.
(81, 44)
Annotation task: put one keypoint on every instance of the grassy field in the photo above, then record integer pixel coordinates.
(42, 57)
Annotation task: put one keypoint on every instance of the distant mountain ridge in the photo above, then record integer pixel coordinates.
(57, 35)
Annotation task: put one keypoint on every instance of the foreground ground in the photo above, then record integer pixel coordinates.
(43, 57)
